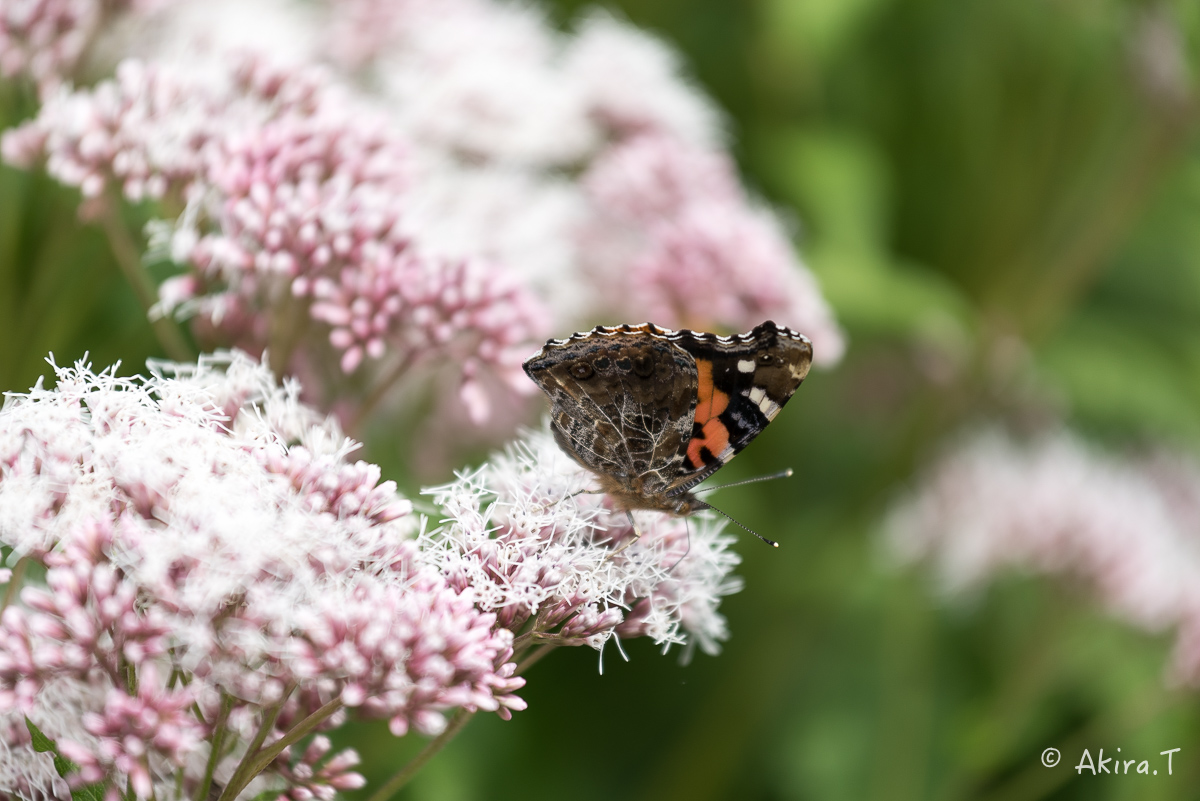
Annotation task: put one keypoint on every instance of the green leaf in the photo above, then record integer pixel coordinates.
(90, 792)
(43, 744)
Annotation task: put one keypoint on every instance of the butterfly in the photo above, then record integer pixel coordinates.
(654, 412)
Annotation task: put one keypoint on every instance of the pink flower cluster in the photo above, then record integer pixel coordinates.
(43, 39)
(445, 652)
(1124, 525)
(313, 205)
(213, 562)
(543, 560)
(153, 131)
(313, 775)
(297, 217)
(497, 183)
(296, 230)
(130, 729)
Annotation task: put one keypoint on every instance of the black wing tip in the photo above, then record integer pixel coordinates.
(770, 326)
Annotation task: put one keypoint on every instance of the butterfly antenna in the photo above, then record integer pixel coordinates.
(772, 543)
(781, 474)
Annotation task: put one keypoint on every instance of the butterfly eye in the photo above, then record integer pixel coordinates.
(582, 370)
(643, 366)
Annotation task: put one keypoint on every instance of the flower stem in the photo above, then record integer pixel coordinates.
(130, 261)
(257, 759)
(522, 642)
(218, 744)
(377, 394)
(402, 777)
(288, 320)
(14, 582)
(146, 767)
(237, 782)
(534, 656)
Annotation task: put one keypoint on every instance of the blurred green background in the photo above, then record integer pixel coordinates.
(1002, 201)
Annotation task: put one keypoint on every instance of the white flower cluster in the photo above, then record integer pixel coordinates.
(534, 547)
(211, 554)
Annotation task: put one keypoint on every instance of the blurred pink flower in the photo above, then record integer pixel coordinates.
(1126, 526)
(154, 721)
(633, 83)
(207, 546)
(672, 221)
(45, 39)
(472, 80)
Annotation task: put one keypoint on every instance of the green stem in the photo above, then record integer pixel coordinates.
(257, 759)
(376, 395)
(288, 320)
(218, 741)
(405, 774)
(252, 750)
(523, 641)
(402, 777)
(534, 657)
(129, 259)
(14, 582)
(1022, 691)
(146, 767)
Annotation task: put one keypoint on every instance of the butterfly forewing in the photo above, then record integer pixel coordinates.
(743, 383)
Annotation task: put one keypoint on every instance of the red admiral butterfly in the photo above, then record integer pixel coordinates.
(654, 412)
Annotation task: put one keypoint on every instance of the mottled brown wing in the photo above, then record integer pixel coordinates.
(622, 401)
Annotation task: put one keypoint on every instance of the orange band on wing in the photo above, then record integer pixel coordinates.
(714, 436)
(710, 401)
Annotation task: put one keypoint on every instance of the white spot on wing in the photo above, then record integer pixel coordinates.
(746, 366)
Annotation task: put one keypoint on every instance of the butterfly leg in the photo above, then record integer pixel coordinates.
(637, 535)
(544, 507)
